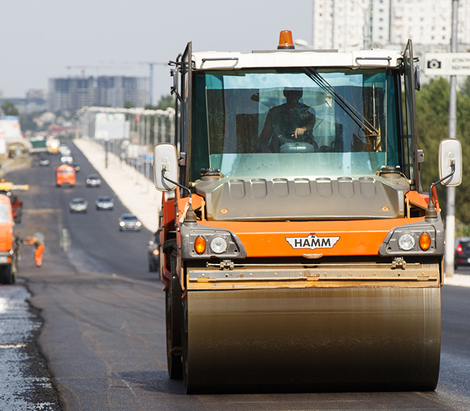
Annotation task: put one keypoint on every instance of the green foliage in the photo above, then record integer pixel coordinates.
(9, 109)
(432, 112)
(129, 104)
(27, 122)
(163, 104)
(461, 230)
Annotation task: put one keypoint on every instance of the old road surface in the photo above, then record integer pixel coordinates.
(102, 313)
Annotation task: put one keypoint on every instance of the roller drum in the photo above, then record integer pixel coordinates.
(316, 339)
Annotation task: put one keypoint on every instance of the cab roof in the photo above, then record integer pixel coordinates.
(212, 60)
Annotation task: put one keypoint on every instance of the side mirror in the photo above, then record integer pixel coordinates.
(450, 159)
(165, 166)
(417, 78)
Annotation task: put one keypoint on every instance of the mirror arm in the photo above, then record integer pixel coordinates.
(431, 211)
(164, 170)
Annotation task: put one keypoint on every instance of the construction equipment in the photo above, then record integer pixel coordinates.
(9, 244)
(306, 258)
(6, 188)
(65, 176)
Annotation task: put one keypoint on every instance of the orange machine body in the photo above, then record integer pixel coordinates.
(65, 175)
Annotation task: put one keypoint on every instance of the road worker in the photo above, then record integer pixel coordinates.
(37, 239)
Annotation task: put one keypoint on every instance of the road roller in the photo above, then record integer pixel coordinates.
(298, 250)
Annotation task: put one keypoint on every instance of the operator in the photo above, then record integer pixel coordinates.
(37, 240)
(290, 122)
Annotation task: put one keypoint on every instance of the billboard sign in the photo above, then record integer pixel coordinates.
(447, 64)
(111, 126)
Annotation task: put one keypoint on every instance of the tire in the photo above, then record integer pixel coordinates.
(188, 388)
(8, 274)
(173, 311)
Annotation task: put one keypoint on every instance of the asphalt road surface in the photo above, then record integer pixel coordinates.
(103, 333)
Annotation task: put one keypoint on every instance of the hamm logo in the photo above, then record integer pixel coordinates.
(312, 242)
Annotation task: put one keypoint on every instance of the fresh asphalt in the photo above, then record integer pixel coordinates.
(97, 318)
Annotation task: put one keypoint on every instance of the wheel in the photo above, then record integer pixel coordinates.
(8, 274)
(188, 388)
(173, 311)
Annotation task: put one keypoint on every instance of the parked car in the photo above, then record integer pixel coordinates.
(78, 205)
(462, 252)
(129, 222)
(104, 203)
(153, 252)
(43, 161)
(93, 180)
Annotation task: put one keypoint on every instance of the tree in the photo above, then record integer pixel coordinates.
(432, 112)
(9, 109)
(165, 102)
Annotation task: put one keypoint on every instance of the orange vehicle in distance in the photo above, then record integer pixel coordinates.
(8, 246)
(65, 175)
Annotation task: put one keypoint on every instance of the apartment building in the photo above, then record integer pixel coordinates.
(107, 91)
(349, 24)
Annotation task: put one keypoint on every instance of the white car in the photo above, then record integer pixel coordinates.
(104, 203)
(78, 205)
(66, 159)
(64, 150)
(129, 222)
(44, 161)
(93, 180)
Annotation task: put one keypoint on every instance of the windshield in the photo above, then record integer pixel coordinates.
(295, 123)
(4, 215)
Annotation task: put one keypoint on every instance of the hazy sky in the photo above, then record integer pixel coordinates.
(39, 39)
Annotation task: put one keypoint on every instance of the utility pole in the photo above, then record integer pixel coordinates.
(450, 217)
(151, 84)
(151, 64)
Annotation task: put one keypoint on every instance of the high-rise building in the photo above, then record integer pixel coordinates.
(70, 93)
(107, 91)
(349, 24)
(118, 90)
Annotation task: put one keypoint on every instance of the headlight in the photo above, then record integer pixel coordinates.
(218, 245)
(138, 224)
(122, 223)
(406, 242)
